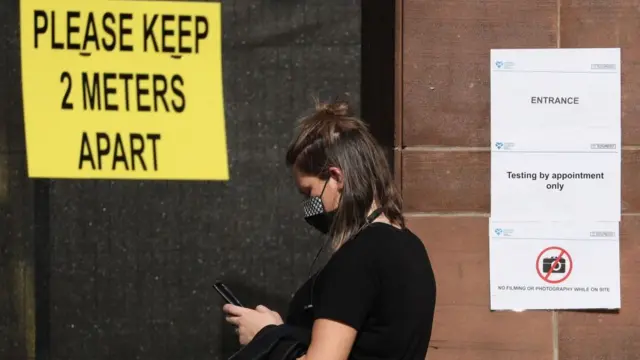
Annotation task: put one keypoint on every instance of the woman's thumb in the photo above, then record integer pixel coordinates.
(262, 309)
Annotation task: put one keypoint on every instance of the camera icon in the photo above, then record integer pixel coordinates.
(559, 268)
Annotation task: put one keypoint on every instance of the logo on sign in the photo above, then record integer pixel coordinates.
(503, 232)
(504, 145)
(504, 65)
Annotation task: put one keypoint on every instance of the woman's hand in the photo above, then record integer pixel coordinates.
(249, 322)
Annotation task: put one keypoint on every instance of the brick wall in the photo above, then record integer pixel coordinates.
(443, 158)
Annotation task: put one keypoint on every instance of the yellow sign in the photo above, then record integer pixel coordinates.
(123, 89)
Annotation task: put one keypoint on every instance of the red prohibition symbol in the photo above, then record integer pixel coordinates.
(554, 265)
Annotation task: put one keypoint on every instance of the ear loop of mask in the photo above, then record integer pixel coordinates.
(324, 245)
(322, 192)
(315, 277)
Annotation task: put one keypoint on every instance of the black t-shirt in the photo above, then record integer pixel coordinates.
(380, 283)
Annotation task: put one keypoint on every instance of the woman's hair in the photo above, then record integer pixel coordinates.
(331, 137)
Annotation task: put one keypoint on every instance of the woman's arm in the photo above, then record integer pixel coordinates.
(330, 340)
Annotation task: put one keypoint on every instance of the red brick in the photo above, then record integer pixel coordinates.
(445, 61)
(609, 23)
(397, 168)
(444, 353)
(445, 181)
(481, 334)
(630, 181)
(464, 327)
(459, 251)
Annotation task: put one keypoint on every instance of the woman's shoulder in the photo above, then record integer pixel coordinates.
(382, 239)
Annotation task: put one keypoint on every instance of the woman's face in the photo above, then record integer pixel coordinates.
(311, 185)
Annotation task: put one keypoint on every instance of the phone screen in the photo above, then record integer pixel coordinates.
(226, 294)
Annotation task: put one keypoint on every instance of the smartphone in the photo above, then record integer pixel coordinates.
(226, 294)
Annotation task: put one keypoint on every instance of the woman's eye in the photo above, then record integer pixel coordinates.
(305, 193)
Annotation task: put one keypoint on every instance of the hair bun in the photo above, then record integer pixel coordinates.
(336, 108)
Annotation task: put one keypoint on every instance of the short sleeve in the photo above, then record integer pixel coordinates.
(348, 285)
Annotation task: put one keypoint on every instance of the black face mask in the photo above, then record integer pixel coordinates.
(315, 215)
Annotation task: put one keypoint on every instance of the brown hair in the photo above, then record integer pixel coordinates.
(333, 137)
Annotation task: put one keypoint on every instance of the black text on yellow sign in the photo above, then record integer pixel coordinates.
(123, 89)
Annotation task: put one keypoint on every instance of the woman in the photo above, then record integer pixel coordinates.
(375, 297)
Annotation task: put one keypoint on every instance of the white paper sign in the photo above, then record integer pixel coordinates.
(559, 100)
(554, 265)
(555, 187)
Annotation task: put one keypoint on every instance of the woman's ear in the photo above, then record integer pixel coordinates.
(338, 176)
